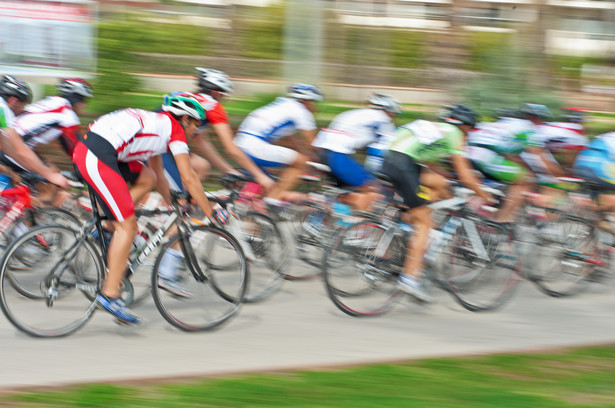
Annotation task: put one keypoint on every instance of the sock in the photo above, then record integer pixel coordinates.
(169, 264)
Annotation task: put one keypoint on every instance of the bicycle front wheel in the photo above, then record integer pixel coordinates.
(483, 269)
(53, 295)
(361, 270)
(267, 250)
(565, 255)
(205, 286)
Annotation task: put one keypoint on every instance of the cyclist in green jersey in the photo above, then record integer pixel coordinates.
(414, 160)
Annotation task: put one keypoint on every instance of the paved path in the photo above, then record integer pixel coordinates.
(300, 327)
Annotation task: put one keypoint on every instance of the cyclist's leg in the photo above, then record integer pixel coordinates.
(405, 175)
(100, 170)
(503, 169)
(267, 155)
(351, 173)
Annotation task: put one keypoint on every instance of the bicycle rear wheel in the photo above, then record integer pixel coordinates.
(565, 255)
(55, 294)
(479, 280)
(360, 275)
(216, 297)
(262, 241)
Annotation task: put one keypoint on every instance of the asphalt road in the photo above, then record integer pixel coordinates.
(299, 327)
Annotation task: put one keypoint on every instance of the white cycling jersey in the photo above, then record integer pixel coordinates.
(276, 120)
(46, 120)
(356, 129)
(138, 134)
(7, 117)
(559, 135)
(507, 135)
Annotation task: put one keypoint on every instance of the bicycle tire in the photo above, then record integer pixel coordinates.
(216, 299)
(270, 252)
(309, 241)
(563, 256)
(40, 216)
(481, 284)
(61, 307)
(359, 280)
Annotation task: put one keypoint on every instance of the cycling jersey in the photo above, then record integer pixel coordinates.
(506, 136)
(124, 137)
(137, 134)
(43, 122)
(281, 118)
(6, 115)
(215, 111)
(355, 129)
(428, 142)
(597, 162)
(559, 135)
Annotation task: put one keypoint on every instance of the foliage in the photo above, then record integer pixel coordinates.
(487, 49)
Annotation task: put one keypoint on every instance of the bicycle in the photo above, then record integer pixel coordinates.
(68, 270)
(362, 266)
(17, 208)
(263, 244)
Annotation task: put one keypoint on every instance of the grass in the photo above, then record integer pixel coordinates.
(583, 377)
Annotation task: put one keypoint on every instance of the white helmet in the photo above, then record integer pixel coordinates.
(213, 80)
(384, 102)
(305, 92)
(75, 86)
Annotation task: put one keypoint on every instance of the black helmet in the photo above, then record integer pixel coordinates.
(11, 86)
(459, 115)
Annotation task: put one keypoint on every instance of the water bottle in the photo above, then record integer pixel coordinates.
(314, 222)
(406, 228)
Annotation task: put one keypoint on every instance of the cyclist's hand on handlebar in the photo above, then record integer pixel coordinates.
(219, 217)
(265, 181)
(59, 180)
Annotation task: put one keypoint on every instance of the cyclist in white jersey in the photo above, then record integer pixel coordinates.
(279, 119)
(351, 131)
(214, 86)
(103, 159)
(43, 122)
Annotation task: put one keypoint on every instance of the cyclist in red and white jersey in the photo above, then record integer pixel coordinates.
(104, 158)
(43, 122)
(213, 86)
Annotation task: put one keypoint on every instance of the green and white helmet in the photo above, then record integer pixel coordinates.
(184, 103)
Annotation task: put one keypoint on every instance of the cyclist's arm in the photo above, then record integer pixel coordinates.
(208, 150)
(225, 133)
(156, 164)
(552, 167)
(191, 182)
(26, 157)
(467, 177)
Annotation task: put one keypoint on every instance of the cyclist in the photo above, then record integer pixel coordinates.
(351, 131)
(43, 122)
(564, 139)
(213, 86)
(109, 154)
(596, 164)
(15, 94)
(281, 118)
(413, 160)
(508, 150)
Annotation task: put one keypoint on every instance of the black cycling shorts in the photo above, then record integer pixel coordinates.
(405, 174)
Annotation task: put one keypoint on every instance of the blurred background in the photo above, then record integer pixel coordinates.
(488, 53)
